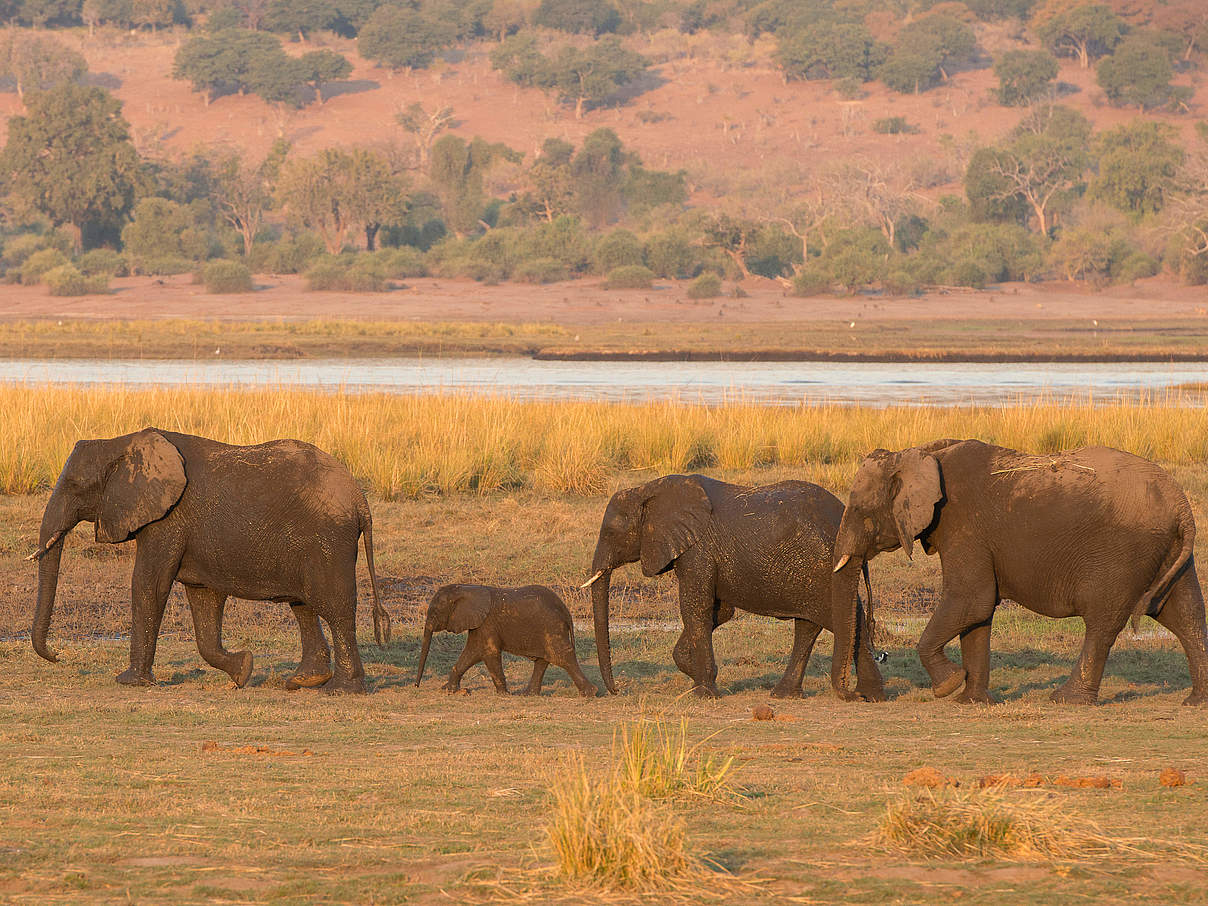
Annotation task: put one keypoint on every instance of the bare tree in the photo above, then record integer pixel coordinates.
(873, 193)
(425, 126)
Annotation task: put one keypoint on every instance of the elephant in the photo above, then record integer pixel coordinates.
(278, 521)
(531, 621)
(766, 550)
(1093, 532)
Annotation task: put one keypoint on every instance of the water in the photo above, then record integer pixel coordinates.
(709, 382)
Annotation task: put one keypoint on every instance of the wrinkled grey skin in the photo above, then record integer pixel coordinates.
(1094, 532)
(766, 550)
(277, 521)
(531, 621)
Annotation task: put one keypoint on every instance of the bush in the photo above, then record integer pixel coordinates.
(901, 282)
(225, 276)
(398, 263)
(706, 286)
(104, 262)
(286, 256)
(967, 272)
(65, 280)
(672, 256)
(617, 249)
(19, 248)
(1024, 76)
(630, 276)
(811, 280)
(348, 273)
(893, 125)
(39, 263)
(540, 270)
(326, 275)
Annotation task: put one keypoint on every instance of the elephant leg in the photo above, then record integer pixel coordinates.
(493, 658)
(1082, 687)
(565, 658)
(149, 589)
(968, 601)
(1183, 614)
(975, 658)
(869, 685)
(805, 634)
(534, 686)
(693, 652)
(315, 667)
(207, 606)
(470, 655)
(349, 673)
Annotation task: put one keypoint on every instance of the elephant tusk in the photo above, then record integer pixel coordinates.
(42, 551)
(592, 580)
(842, 563)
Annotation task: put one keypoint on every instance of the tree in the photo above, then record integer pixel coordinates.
(1041, 162)
(925, 51)
(425, 126)
(507, 17)
(1024, 76)
(1079, 29)
(245, 193)
(320, 67)
(456, 170)
(34, 61)
(591, 74)
(829, 50)
(301, 17)
(49, 13)
(225, 60)
(279, 79)
(879, 195)
(553, 188)
(592, 17)
(254, 12)
(403, 38)
(597, 174)
(1138, 74)
(1186, 18)
(71, 158)
(1139, 165)
(519, 58)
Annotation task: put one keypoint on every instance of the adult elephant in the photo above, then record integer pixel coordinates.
(1093, 532)
(766, 550)
(278, 521)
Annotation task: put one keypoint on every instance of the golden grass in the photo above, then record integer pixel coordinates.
(418, 445)
(655, 760)
(17, 331)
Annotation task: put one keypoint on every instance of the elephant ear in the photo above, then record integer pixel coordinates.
(142, 484)
(917, 490)
(674, 518)
(470, 608)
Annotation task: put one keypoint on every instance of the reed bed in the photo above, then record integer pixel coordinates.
(407, 446)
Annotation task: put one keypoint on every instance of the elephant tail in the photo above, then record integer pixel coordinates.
(381, 618)
(1151, 601)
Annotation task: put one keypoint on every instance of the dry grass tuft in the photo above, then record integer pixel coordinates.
(1172, 777)
(985, 823)
(928, 778)
(655, 760)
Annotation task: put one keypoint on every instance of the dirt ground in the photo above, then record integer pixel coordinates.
(587, 302)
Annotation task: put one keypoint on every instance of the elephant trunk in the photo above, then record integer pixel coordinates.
(845, 606)
(599, 606)
(423, 654)
(56, 522)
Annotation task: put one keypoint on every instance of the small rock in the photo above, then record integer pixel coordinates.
(763, 712)
(1172, 777)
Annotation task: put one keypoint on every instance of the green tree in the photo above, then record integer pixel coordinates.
(519, 58)
(226, 60)
(1139, 166)
(34, 61)
(597, 174)
(591, 74)
(1078, 29)
(244, 193)
(456, 170)
(301, 17)
(49, 13)
(553, 188)
(163, 237)
(71, 158)
(319, 67)
(403, 38)
(1024, 76)
(925, 51)
(592, 17)
(1138, 74)
(829, 50)
(1041, 162)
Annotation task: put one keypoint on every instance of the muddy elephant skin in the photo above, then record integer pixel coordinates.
(531, 622)
(1094, 532)
(766, 550)
(278, 521)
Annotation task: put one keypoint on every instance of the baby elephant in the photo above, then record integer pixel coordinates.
(531, 621)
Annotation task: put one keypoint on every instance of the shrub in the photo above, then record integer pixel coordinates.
(291, 255)
(706, 286)
(104, 262)
(404, 261)
(65, 280)
(348, 273)
(1024, 76)
(564, 240)
(893, 125)
(901, 282)
(19, 248)
(540, 270)
(672, 256)
(967, 272)
(225, 276)
(630, 276)
(326, 275)
(617, 249)
(811, 280)
(39, 263)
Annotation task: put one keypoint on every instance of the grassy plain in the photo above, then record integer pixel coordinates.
(924, 339)
(110, 794)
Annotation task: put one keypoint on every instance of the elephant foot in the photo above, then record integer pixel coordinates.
(302, 680)
(530, 691)
(706, 692)
(870, 695)
(345, 686)
(1066, 696)
(451, 688)
(132, 677)
(981, 697)
(244, 673)
(589, 691)
(786, 690)
(949, 684)
(1195, 699)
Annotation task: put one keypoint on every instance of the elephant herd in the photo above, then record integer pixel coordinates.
(1095, 532)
